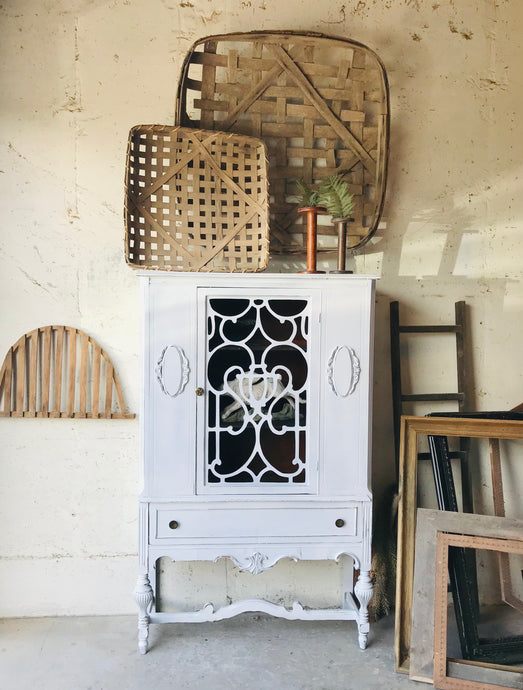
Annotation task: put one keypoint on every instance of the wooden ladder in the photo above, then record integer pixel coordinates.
(461, 396)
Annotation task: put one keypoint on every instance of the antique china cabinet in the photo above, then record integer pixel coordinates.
(255, 431)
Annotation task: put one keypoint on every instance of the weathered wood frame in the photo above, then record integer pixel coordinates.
(429, 523)
(507, 591)
(462, 563)
(442, 680)
(411, 428)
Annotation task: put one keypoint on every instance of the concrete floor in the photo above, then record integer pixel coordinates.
(249, 651)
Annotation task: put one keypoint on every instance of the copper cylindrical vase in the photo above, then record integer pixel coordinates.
(312, 235)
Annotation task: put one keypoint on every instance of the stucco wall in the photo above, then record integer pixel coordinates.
(75, 76)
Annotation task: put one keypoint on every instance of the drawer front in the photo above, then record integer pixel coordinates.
(209, 523)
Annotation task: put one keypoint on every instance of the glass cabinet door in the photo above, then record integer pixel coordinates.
(257, 417)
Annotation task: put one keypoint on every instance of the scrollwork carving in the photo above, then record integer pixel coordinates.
(182, 374)
(258, 562)
(353, 376)
(253, 564)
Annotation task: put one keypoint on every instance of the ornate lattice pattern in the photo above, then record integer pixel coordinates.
(257, 371)
(321, 106)
(195, 200)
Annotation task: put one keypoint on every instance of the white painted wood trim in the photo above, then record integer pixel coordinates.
(297, 612)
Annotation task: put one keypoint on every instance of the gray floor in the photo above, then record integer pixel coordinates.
(249, 651)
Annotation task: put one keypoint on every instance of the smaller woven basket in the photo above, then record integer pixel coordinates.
(195, 200)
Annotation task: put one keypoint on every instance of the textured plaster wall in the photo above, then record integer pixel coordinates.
(75, 76)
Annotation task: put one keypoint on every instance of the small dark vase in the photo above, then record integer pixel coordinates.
(312, 233)
(341, 225)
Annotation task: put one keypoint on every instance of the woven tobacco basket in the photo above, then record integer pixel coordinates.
(321, 105)
(195, 200)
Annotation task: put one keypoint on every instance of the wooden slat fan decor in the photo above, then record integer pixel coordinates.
(59, 371)
(320, 104)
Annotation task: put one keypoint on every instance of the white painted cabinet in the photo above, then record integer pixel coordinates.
(255, 430)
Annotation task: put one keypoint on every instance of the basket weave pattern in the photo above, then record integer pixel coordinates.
(195, 200)
(319, 103)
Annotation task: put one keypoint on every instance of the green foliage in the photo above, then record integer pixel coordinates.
(335, 196)
(308, 195)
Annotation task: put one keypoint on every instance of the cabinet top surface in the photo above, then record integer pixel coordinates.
(202, 277)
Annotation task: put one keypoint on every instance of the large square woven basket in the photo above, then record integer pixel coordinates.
(319, 103)
(195, 200)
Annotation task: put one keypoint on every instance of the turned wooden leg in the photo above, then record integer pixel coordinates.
(363, 592)
(144, 597)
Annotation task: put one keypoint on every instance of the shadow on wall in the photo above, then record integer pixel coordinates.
(447, 232)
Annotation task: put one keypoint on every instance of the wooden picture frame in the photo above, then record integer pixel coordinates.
(429, 523)
(442, 680)
(507, 589)
(462, 566)
(411, 428)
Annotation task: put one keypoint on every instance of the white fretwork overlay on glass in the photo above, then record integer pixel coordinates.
(257, 369)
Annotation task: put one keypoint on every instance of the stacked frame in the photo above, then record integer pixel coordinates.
(412, 428)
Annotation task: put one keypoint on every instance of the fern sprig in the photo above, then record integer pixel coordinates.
(308, 195)
(335, 196)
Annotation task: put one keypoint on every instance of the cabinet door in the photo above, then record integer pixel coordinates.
(169, 410)
(347, 379)
(258, 415)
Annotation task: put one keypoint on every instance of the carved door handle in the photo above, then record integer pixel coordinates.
(343, 371)
(172, 370)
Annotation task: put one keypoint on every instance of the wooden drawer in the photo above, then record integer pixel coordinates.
(219, 522)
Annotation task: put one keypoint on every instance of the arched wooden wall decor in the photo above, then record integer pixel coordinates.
(321, 106)
(59, 371)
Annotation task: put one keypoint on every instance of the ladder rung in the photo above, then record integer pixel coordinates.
(427, 397)
(430, 329)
